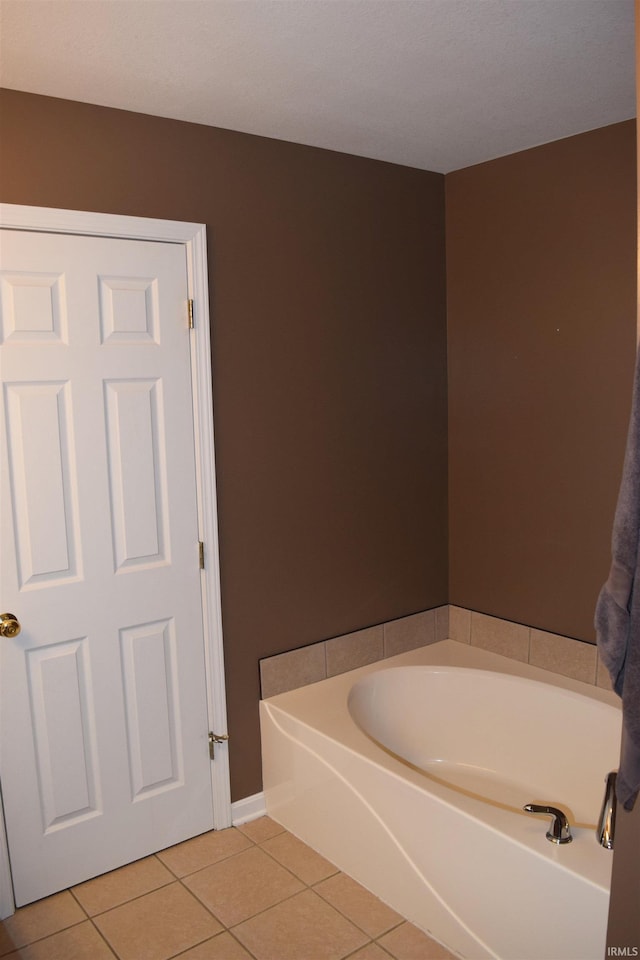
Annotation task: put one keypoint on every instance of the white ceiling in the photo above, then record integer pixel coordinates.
(436, 84)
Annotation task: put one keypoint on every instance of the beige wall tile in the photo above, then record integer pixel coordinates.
(460, 624)
(500, 636)
(296, 668)
(354, 650)
(409, 633)
(562, 655)
(293, 669)
(603, 678)
(442, 622)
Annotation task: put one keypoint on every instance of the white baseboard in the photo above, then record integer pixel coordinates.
(242, 811)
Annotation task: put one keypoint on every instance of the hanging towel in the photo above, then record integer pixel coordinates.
(617, 618)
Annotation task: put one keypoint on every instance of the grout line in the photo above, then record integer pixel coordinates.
(71, 891)
(253, 916)
(166, 865)
(104, 939)
(231, 934)
(176, 956)
(203, 904)
(364, 946)
(208, 866)
(95, 927)
(138, 896)
(259, 912)
(290, 869)
(227, 856)
(315, 883)
(350, 919)
(25, 946)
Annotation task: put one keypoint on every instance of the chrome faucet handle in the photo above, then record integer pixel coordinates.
(559, 831)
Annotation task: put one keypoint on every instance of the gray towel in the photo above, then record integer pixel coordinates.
(617, 618)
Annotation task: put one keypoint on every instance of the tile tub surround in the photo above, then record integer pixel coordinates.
(550, 651)
(248, 893)
(318, 661)
(328, 658)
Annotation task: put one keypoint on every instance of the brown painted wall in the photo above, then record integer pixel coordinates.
(541, 288)
(328, 329)
(329, 360)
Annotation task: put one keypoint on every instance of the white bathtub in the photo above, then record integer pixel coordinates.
(411, 774)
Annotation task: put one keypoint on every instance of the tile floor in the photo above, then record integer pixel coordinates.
(253, 891)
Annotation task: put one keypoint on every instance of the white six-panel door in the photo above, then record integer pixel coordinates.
(104, 743)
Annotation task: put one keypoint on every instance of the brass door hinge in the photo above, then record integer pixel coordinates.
(190, 309)
(216, 738)
(201, 554)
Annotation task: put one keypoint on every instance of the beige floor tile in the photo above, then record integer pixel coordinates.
(406, 942)
(357, 904)
(82, 942)
(202, 851)
(239, 887)
(305, 926)
(118, 886)
(371, 952)
(261, 829)
(158, 925)
(222, 947)
(39, 920)
(299, 858)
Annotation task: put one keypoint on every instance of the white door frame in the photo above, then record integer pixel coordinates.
(193, 237)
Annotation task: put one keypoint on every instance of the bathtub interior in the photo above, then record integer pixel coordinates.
(515, 740)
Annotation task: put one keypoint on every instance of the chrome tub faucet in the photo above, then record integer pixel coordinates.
(559, 831)
(607, 820)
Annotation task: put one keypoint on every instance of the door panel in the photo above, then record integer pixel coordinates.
(42, 483)
(137, 471)
(64, 730)
(149, 662)
(104, 747)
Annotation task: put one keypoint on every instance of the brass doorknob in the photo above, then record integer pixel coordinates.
(9, 625)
